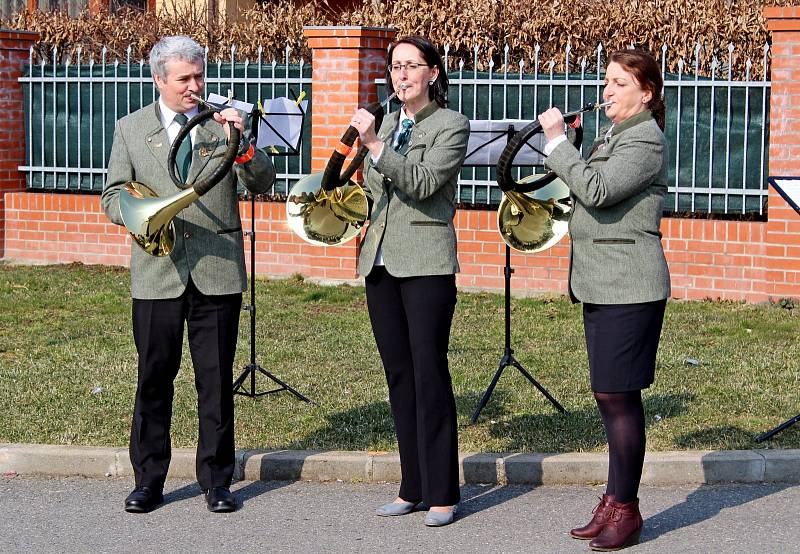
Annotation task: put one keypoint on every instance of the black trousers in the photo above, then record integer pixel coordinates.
(213, 323)
(411, 320)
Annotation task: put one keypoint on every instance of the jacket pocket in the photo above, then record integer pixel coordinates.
(613, 241)
(228, 231)
(429, 223)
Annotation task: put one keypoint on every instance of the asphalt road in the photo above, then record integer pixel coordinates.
(86, 515)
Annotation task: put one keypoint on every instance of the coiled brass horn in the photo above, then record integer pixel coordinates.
(328, 208)
(532, 222)
(148, 218)
(534, 212)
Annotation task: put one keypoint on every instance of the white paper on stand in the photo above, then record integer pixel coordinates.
(789, 188)
(286, 119)
(238, 104)
(488, 139)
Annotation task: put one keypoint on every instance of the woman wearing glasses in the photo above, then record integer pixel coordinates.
(408, 259)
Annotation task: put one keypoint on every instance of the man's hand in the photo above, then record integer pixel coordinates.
(229, 115)
(552, 123)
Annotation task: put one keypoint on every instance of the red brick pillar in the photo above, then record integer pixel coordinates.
(345, 63)
(782, 256)
(14, 53)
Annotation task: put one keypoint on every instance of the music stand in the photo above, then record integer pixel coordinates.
(789, 189)
(486, 143)
(291, 149)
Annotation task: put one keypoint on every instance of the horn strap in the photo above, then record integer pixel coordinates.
(333, 176)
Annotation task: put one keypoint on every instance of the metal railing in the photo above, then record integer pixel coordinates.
(717, 127)
(72, 110)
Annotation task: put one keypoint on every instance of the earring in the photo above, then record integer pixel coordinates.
(430, 83)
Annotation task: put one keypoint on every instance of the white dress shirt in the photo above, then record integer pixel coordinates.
(173, 127)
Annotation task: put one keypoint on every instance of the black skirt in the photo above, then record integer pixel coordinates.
(622, 340)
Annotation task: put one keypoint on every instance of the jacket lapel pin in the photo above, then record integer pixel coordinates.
(204, 152)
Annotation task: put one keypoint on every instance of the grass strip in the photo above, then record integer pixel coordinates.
(68, 370)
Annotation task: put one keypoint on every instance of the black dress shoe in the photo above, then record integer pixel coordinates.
(220, 500)
(143, 500)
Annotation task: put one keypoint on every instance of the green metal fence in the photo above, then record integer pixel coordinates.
(717, 127)
(72, 110)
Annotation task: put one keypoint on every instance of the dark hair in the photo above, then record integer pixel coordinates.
(436, 92)
(643, 66)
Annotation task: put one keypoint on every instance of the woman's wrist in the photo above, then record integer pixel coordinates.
(375, 147)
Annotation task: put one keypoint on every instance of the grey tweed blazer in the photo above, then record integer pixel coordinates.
(616, 255)
(414, 196)
(209, 243)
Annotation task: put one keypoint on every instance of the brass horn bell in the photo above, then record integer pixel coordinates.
(535, 221)
(326, 217)
(148, 218)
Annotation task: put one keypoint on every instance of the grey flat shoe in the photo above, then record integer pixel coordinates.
(439, 519)
(396, 509)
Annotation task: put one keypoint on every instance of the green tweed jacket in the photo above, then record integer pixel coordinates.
(616, 255)
(209, 242)
(414, 196)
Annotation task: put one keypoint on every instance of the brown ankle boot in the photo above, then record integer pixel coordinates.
(593, 528)
(623, 526)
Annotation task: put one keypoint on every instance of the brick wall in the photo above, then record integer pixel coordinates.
(62, 228)
(781, 258)
(707, 259)
(751, 261)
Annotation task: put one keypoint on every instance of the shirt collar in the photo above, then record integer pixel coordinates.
(404, 115)
(168, 114)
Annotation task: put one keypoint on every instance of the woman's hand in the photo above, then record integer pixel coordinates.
(552, 123)
(229, 115)
(364, 123)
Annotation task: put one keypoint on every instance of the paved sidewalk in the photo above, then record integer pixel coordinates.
(660, 468)
(72, 514)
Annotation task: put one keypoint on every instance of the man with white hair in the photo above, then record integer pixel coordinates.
(199, 284)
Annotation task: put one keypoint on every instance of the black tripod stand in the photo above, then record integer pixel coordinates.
(772, 432)
(787, 188)
(508, 358)
(252, 369)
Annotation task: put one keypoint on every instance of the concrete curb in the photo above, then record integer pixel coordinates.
(660, 468)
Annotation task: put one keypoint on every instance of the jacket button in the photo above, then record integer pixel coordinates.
(187, 235)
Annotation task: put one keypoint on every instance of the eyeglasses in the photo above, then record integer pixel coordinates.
(410, 67)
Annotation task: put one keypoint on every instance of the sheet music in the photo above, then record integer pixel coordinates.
(789, 188)
(238, 104)
(286, 120)
(488, 139)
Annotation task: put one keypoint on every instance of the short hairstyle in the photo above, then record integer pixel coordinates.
(437, 91)
(174, 48)
(644, 67)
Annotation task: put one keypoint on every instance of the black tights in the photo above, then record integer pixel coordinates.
(623, 419)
